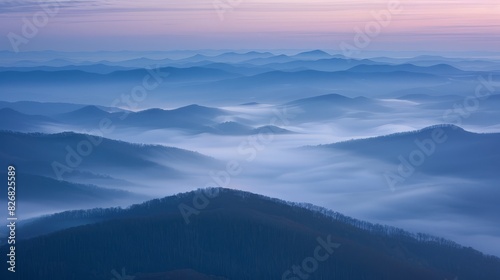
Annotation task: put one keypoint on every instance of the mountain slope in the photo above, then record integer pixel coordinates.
(41, 194)
(453, 151)
(328, 106)
(38, 108)
(16, 121)
(192, 118)
(238, 235)
(66, 153)
(315, 54)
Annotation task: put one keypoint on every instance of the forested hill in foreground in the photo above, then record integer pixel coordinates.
(238, 235)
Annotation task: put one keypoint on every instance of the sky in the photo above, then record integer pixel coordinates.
(89, 25)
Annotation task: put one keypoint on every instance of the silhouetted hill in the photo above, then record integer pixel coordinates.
(458, 152)
(189, 74)
(15, 121)
(316, 54)
(229, 57)
(234, 128)
(41, 194)
(326, 64)
(37, 152)
(328, 106)
(54, 191)
(84, 114)
(242, 69)
(192, 118)
(41, 77)
(271, 129)
(237, 57)
(250, 104)
(49, 108)
(272, 59)
(239, 235)
(141, 62)
(330, 99)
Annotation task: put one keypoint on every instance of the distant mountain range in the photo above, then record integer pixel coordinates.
(92, 68)
(174, 75)
(192, 119)
(49, 108)
(237, 235)
(231, 76)
(439, 69)
(295, 83)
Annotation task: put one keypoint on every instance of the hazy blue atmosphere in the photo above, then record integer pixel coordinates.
(375, 125)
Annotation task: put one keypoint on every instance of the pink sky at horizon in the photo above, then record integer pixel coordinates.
(455, 25)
